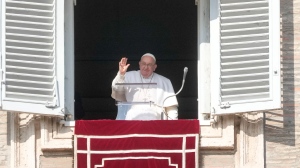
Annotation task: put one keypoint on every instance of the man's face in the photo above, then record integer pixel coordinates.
(147, 66)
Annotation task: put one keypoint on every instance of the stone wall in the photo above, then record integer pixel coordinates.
(282, 127)
(4, 148)
(34, 141)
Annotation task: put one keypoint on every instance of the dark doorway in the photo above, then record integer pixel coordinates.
(106, 30)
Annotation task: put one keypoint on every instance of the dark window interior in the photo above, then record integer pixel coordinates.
(106, 30)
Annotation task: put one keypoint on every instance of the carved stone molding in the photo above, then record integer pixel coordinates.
(55, 136)
(251, 141)
(23, 140)
(220, 135)
(33, 135)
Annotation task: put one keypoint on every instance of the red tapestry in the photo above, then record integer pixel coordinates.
(130, 144)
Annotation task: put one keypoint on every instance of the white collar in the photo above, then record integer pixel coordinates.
(150, 77)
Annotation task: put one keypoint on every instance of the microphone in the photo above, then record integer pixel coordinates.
(185, 70)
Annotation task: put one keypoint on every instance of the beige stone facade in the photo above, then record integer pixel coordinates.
(282, 128)
(33, 141)
(4, 144)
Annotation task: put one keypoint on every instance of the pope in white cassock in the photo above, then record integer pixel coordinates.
(165, 105)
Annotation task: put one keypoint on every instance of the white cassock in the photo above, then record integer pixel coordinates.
(163, 89)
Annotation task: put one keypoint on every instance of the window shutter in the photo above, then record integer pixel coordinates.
(33, 57)
(245, 42)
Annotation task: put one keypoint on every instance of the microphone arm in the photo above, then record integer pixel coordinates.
(185, 70)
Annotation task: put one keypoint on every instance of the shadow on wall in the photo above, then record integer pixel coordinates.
(280, 125)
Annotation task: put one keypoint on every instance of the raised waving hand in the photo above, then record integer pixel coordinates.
(123, 66)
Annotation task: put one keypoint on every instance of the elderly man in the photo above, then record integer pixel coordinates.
(165, 101)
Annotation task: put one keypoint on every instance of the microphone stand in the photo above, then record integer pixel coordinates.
(185, 70)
